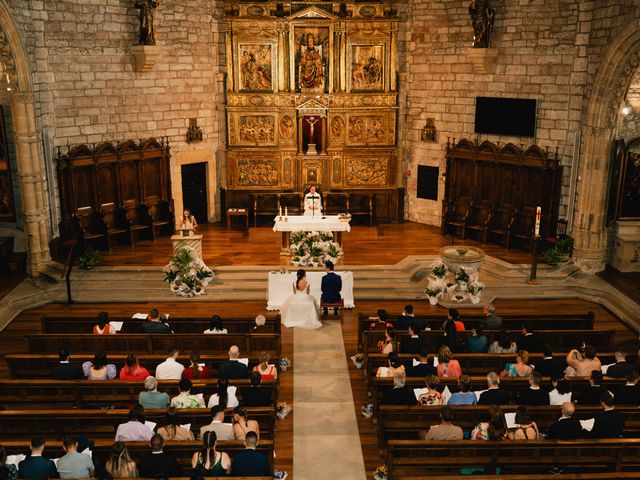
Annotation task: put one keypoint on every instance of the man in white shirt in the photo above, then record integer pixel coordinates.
(170, 369)
(224, 431)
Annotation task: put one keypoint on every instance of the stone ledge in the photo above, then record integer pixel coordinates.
(482, 59)
(145, 56)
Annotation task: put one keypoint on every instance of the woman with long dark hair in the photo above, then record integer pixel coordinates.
(172, 428)
(209, 462)
(196, 368)
(100, 368)
(226, 395)
(300, 309)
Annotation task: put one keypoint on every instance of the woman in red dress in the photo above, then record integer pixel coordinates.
(132, 370)
(197, 369)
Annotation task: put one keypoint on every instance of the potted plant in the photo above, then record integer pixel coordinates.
(433, 294)
(475, 289)
(463, 278)
(380, 473)
(450, 287)
(89, 259)
(358, 360)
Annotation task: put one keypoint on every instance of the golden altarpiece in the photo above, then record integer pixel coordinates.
(312, 99)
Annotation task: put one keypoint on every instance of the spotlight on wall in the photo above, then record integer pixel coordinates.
(626, 110)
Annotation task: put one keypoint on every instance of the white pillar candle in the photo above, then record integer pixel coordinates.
(538, 215)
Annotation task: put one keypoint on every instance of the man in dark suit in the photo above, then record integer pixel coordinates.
(548, 366)
(621, 367)
(405, 319)
(35, 466)
(158, 464)
(64, 370)
(423, 368)
(153, 323)
(530, 341)
(494, 395)
(629, 393)
(255, 395)
(400, 394)
(331, 286)
(609, 423)
(250, 463)
(567, 427)
(491, 321)
(232, 368)
(534, 395)
(413, 344)
(591, 395)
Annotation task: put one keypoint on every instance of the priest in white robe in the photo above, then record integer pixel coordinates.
(313, 203)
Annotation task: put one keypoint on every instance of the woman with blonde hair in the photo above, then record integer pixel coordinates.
(518, 369)
(119, 463)
(266, 371)
(447, 366)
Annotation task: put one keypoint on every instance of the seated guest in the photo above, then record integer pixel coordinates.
(494, 395)
(494, 427)
(452, 339)
(518, 369)
(157, 463)
(566, 427)
(119, 463)
(170, 369)
(232, 368)
(530, 340)
(260, 325)
(431, 396)
(242, 425)
(447, 366)
(476, 342)
(445, 431)
(132, 369)
(591, 395)
(381, 320)
(629, 393)
(621, 367)
(65, 370)
(389, 344)
(534, 395)
(582, 362)
(413, 344)
(172, 428)
(196, 369)
(268, 372)
(503, 343)
(224, 431)
(250, 463)
(154, 324)
(74, 464)
(216, 327)
(226, 395)
(254, 396)
(491, 321)
(454, 316)
(184, 399)
(393, 366)
(7, 472)
(406, 318)
(561, 392)
(103, 327)
(610, 422)
(134, 430)
(99, 369)
(209, 462)
(464, 396)
(423, 367)
(526, 429)
(548, 366)
(35, 466)
(400, 394)
(152, 398)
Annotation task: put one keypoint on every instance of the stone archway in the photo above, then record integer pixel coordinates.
(609, 88)
(29, 162)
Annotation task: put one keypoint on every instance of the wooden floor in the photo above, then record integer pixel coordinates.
(627, 283)
(378, 245)
(12, 341)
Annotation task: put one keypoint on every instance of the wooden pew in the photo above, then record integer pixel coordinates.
(94, 424)
(513, 322)
(412, 459)
(28, 365)
(58, 394)
(84, 324)
(250, 344)
(563, 340)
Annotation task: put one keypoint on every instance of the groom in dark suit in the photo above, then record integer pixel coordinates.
(331, 286)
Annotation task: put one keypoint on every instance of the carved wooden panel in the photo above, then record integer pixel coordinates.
(370, 129)
(252, 130)
(366, 171)
(256, 66)
(253, 172)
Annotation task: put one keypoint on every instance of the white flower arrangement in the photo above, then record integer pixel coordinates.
(187, 274)
(313, 248)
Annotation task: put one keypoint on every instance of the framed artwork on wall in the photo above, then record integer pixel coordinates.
(256, 68)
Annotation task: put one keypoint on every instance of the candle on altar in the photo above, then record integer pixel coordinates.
(538, 215)
(280, 211)
(286, 211)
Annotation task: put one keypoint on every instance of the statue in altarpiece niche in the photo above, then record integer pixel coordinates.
(482, 18)
(147, 19)
(311, 65)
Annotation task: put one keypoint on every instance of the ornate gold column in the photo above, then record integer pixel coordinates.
(393, 57)
(231, 76)
(31, 178)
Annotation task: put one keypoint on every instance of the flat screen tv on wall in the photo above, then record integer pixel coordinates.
(513, 117)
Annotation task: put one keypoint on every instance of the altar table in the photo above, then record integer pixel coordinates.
(306, 223)
(281, 287)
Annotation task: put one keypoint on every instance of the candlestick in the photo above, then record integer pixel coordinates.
(538, 215)
(286, 211)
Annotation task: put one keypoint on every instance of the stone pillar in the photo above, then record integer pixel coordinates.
(31, 179)
(589, 233)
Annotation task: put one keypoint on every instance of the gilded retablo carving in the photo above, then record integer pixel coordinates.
(287, 127)
(255, 67)
(367, 129)
(367, 68)
(257, 173)
(337, 127)
(366, 171)
(258, 129)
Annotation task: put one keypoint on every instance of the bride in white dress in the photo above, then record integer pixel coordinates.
(300, 309)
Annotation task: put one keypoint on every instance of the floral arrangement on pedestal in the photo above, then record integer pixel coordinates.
(313, 248)
(458, 286)
(380, 473)
(186, 274)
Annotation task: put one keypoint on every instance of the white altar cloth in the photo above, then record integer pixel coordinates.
(281, 287)
(305, 223)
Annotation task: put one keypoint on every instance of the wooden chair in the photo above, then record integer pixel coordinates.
(501, 223)
(361, 204)
(93, 228)
(265, 204)
(138, 218)
(116, 221)
(292, 202)
(339, 305)
(335, 203)
(523, 226)
(456, 215)
(161, 213)
(479, 219)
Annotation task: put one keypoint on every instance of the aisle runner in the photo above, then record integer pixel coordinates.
(326, 442)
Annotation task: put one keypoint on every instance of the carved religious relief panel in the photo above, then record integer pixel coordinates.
(287, 129)
(337, 129)
(252, 130)
(256, 66)
(254, 172)
(361, 172)
(367, 68)
(312, 46)
(374, 129)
